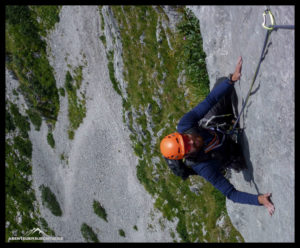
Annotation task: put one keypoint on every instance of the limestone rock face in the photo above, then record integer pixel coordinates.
(268, 119)
(99, 163)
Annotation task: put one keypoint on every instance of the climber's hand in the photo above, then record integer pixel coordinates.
(264, 200)
(237, 73)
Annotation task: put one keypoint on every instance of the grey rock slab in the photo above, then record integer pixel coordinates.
(101, 162)
(268, 119)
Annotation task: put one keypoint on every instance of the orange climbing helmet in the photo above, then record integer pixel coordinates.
(172, 146)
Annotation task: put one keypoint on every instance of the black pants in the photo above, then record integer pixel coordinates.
(232, 155)
(224, 105)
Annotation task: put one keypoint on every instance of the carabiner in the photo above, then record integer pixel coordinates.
(270, 27)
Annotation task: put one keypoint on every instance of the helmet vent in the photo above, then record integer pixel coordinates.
(178, 150)
(177, 140)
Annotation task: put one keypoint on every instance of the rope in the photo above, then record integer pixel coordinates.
(253, 80)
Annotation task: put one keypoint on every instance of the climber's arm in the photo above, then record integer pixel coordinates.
(210, 171)
(191, 118)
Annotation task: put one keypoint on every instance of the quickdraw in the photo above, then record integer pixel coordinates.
(273, 26)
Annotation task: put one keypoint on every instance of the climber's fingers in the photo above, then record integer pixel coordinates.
(268, 204)
(237, 73)
(238, 67)
(271, 209)
(264, 200)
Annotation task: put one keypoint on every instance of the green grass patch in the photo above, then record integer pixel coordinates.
(50, 140)
(68, 83)
(9, 123)
(20, 121)
(194, 57)
(48, 16)
(49, 200)
(35, 118)
(122, 233)
(110, 57)
(99, 210)
(102, 18)
(62, 91)
(15, 93)
(24, 146)
(71, 134)
(78, 76)
(76, 104)
(62, 156)
(27, 58)
(88, 234)
(145, 177)
(138, 149)
(19, 195)
(103, 39)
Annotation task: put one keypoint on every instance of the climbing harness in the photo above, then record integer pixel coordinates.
(214, 143)
(269, 28)
(214, 128)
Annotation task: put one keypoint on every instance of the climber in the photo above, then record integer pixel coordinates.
(195, 149)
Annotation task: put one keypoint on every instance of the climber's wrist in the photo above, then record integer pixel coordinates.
(231, 79)
(234, 77)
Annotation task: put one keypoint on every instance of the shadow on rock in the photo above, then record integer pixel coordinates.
(248, 172)
(243, 141)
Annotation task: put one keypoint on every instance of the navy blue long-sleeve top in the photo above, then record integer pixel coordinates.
(210, 169)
